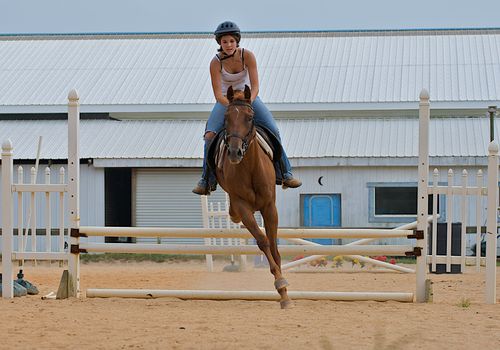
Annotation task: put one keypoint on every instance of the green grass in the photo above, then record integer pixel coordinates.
(159, 258)
(405, 260)
(464, 303)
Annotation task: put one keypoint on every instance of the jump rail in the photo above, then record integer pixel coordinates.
(395, 250)
(246, 295)
(85, 231)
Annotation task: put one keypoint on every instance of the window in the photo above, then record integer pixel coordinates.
(393, 202)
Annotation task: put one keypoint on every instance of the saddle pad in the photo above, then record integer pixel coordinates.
(265, 146)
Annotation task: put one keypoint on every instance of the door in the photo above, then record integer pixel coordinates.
(321, 210)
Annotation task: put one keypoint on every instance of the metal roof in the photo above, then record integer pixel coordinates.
(179, 142)
(305, 71)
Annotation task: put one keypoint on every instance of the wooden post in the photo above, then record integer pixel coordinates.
(62, 180)
(32, 213)
(423, 181)
(449, 219)
(491, 225)
(435, 179)
(206, 224)
(20, 216)
(74, 190)
(479, 211)
(7, 219)
(464, 211)
(48, 214)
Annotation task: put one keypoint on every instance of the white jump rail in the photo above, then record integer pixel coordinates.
(239, 233)
(395, 250)
(407, 227)
(246, 295)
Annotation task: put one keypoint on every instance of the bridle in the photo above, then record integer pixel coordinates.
(245, 139)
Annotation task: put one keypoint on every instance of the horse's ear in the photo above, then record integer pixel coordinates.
(230, 94)
(248, 93)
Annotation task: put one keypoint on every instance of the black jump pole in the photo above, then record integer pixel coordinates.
(492, 110)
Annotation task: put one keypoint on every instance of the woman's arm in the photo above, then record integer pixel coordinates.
(216, 82)
(253, 74)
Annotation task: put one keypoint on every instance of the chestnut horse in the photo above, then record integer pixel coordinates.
(248, 176)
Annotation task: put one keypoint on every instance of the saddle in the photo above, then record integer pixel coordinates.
(267, 141)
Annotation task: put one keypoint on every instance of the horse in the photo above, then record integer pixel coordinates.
(248, 176)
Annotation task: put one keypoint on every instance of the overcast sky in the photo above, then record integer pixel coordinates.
(91, 16)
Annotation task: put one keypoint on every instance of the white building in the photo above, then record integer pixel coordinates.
(346, 104)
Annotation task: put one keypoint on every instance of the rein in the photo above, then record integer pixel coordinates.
(245, 139)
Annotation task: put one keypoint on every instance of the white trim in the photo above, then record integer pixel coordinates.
(273, 106)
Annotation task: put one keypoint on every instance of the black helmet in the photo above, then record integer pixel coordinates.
(227, 28)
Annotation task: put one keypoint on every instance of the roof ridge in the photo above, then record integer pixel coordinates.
(270, 33)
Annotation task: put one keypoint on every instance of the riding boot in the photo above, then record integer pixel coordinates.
(204, 187)
(289, 181)
(208, 182)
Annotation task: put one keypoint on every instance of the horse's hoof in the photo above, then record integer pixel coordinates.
(280, 283)
(286, 304)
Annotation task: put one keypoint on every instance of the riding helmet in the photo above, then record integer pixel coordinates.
(227, 28)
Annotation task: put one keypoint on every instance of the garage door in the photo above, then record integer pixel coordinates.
(163, 198)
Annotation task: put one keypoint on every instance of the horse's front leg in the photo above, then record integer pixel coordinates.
(263, 243)
(270, 216)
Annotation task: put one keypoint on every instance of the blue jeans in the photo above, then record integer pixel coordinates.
(262, 117)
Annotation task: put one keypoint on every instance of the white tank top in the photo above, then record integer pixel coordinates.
(236, 80)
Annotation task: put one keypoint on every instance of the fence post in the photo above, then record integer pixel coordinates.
(206, 224)
(48, 214)
(423, 182)
(74, 191)
(7, 219)
(491, 225)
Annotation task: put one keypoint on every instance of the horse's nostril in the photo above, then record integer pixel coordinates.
(240, 154)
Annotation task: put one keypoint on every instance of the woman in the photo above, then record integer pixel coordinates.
(236, 67)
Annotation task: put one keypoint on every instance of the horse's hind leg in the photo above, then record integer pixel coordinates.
(270, 216)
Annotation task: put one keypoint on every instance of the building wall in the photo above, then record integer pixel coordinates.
(154, 208)
(353, 184)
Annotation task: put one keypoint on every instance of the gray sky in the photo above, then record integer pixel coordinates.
(90, 16)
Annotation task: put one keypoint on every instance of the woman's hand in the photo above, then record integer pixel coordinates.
(222, 100)
(253, 73)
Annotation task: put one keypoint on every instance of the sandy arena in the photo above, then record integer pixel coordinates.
(457, 319)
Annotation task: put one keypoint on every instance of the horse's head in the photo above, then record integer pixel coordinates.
(239, 123)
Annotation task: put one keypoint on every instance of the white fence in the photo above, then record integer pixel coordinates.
(216, 215)
(219, 217)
